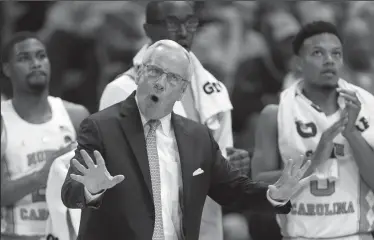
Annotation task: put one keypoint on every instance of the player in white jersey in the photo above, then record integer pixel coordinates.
(38, 129)
(318, 118)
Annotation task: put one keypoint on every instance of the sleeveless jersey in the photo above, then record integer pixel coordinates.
(340, 209)
(28, 147)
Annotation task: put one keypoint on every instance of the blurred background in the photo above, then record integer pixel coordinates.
(245, 44)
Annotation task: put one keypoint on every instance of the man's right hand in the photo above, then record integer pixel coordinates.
(326, 144)
(95, 178)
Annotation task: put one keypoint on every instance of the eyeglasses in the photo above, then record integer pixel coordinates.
(156, 73)
(173, 24)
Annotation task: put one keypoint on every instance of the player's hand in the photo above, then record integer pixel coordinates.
(353, 108)
(325, 145)
(95, 178)
(291, 180)
(58, 153)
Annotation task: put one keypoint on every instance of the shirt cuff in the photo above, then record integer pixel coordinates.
(274, 202)
(91, 197)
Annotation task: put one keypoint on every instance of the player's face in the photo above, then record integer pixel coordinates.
(322, 60)
(29, 66)
(176, 21)
(161, 82)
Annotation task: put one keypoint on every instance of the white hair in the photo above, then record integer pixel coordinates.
(170, 45)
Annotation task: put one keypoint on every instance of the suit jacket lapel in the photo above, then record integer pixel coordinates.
(132, 126)
(186, 146)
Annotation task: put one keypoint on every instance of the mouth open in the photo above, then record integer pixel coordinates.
(154, 98)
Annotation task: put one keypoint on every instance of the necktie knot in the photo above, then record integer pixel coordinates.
(153, 124)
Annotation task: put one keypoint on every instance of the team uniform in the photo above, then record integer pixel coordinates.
(28, 147)
(339, 205)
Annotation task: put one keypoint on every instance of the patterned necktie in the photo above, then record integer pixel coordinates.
(154, 168)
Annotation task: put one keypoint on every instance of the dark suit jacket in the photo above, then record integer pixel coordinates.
(127, 210)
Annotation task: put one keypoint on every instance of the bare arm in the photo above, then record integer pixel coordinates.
(14, 190)
(77, 113)
(266, 163)
(266, 158)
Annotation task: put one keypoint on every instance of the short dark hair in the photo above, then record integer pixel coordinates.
(153, 10)
(7, 49)
(312, 29)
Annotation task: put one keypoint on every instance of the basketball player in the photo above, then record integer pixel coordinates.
(38, 127)
(330, 121)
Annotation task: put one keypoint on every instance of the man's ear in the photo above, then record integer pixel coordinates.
(6, 69)
(138, 72)
(183, 89)
(298, 64)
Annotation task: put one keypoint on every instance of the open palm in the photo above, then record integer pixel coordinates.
(291, 180)
(95, 177)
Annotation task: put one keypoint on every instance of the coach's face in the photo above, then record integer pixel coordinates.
(162, 80)
(322, 60)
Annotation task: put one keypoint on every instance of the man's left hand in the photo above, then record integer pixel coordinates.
(291, 180)
(353, 108)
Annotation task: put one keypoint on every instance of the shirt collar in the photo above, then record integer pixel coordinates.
(165, 121)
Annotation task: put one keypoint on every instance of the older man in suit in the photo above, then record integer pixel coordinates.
(141, 172)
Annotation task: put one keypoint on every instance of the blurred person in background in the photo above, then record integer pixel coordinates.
(39, 127)
(83, 57)
(309, 11)
(123, 23)
(217, 44)
(69, 32)
(253, 43)
(206, 100)
(359, 53)
(330, 121)
(259, 80)
(228, 38)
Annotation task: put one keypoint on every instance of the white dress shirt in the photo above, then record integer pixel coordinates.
(170, 174)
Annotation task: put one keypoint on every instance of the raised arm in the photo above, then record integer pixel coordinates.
(236, 191)
(89, 139)
(266, 161)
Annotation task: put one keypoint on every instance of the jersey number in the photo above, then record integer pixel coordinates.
(38, 196)
(322, 192)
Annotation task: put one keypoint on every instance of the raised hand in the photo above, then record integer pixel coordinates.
(95, 178)
(326, 144)
(49, 161)
(291, 180)
(353, 108)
